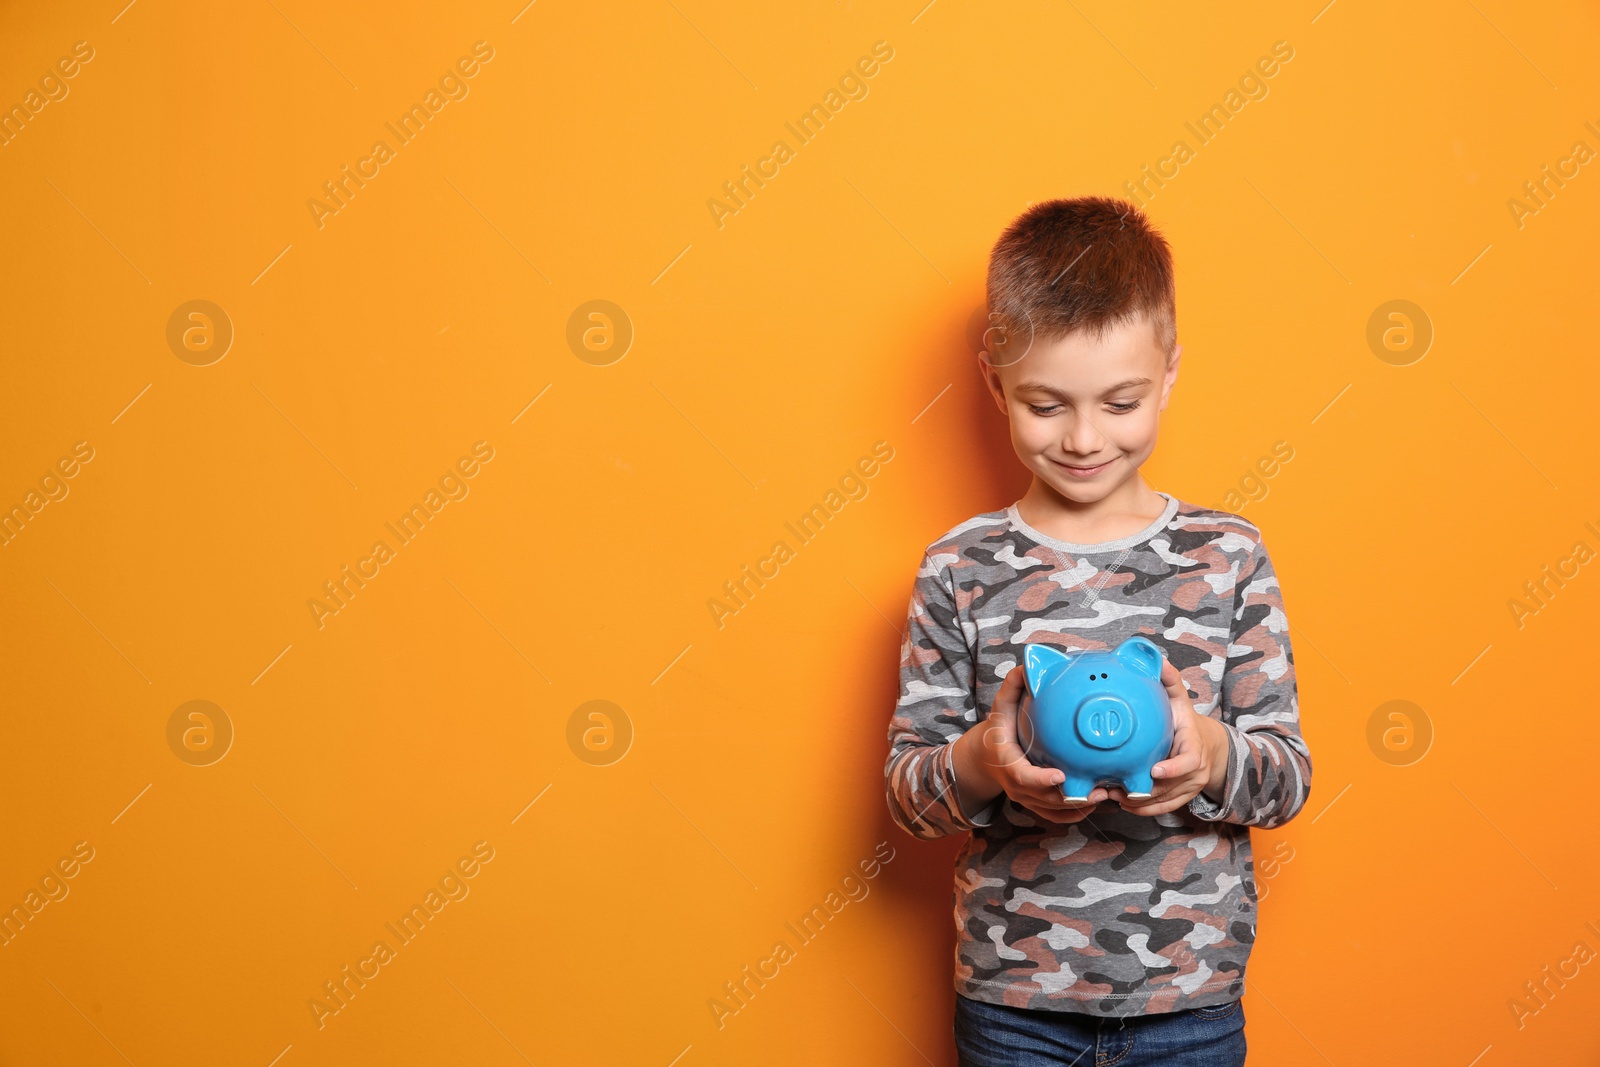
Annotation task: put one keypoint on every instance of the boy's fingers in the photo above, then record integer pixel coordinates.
(1172, 680)
(1051, 797)
(1155, 806)
(1043, 812)
(1010, 694)
(1043, 800)
(1185, 755)
(1177, 689)
(1009, 760)
(1185, 762)
(1031, 777)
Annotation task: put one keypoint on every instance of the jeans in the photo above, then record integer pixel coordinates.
(993, 1035)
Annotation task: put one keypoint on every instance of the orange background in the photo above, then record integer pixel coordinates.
(770, 353)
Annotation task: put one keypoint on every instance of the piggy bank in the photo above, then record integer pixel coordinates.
(1096, 716)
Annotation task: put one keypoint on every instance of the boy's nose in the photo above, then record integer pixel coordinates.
(1085, 439)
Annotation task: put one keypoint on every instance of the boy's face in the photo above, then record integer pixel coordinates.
(1084, 411)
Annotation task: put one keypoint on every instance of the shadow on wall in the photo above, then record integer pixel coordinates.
(968, 447)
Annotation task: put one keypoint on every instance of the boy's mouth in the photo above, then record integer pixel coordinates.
(1082, 472)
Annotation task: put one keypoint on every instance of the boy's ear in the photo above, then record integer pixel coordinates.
(991, 379)
(1171, 377)
(1040, 663)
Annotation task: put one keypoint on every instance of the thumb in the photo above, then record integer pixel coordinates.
(1178, 694)
(1009, 698)
(1002, 718)
(1172, 680)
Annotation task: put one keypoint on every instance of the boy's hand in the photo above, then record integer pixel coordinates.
(989, 761)
(1199, 755)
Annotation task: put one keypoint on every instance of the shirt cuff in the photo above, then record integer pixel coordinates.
(1202, 806)
(946, 769)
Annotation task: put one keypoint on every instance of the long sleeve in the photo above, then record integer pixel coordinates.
(1269, 766)
(937, 704)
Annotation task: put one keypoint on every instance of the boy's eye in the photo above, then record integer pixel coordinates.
(1051, 409)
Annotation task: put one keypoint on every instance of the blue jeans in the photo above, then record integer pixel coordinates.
(993, 1035)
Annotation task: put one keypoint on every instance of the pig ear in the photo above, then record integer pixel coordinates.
(1040, 663)
(1140, 654)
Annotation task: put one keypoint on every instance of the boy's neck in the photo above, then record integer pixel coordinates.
(1127, 509)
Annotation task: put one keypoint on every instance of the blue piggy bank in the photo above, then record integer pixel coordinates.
(1096, 716)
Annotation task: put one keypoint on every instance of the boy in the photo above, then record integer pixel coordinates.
(1118, 924)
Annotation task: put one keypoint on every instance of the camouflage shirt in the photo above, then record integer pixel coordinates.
(1119, 914)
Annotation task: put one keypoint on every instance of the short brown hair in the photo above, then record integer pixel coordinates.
(1089, 263)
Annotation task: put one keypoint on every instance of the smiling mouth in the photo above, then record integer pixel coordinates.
(1079, 469)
